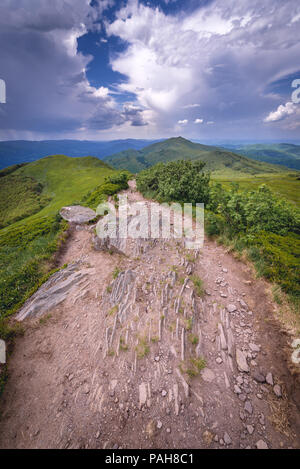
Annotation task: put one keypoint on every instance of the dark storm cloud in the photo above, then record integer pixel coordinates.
(47, 88)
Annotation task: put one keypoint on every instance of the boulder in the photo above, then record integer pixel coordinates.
(77, 214)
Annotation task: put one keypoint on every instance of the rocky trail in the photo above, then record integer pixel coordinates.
(128, 351)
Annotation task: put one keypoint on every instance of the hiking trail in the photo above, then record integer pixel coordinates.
(143, 359)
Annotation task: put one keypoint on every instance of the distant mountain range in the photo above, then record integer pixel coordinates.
(285, 154)
(135, 154)
(25, 151)
(217, 159)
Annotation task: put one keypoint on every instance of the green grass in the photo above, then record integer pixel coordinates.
(198, 285)
(193, 366)
(116, 272)
(193, 339)
(284, 184)
(28, 245)
(21, 196)
(142, 348)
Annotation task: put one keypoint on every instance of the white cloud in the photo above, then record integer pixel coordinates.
(281, 112)
(101, 92)
(190, 106)
(198, 121)
(182, 122)
(210, 122)
(221, 55)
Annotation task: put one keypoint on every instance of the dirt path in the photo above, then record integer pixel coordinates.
(108, 368)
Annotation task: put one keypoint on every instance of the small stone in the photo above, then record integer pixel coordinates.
(237, 389)
(269, 379)
(248, 407)
(219, 360)
(159, 424)
(216, 438)
(259, 377)
(164, 393)
(277, 390)
(225, 270)
(86, 389)
(241, 361)
(98, 434)
(207, 292)
(168, 430)
(227, 439)
(259, 396)
(261, 444)
(239, 380)
(250, 429)
(223, 295)
(254, 347)
(156, 358)
(231, 308)
(242, 415)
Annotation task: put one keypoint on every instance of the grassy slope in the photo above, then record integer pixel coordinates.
(216, 159)
(283, 153)
(285, 185)
(26, 245)
(226, 166)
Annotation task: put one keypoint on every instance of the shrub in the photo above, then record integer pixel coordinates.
(178, 181)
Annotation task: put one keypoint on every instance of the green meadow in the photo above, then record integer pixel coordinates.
(285, 184)
(32, 196)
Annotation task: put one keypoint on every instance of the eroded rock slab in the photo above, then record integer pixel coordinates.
(53, 292)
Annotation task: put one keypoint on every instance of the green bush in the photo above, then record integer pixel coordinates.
(254, 211)
(178, 181)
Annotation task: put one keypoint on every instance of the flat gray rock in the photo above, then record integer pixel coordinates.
(53, 292)
(77, 214)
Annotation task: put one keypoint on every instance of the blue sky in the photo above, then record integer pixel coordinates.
(110, 69)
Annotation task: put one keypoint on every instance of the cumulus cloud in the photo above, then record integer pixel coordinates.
(281, 112)
(198, 121)
(221, 56)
